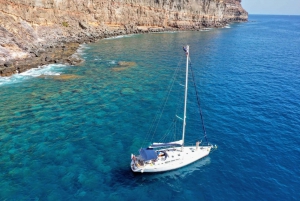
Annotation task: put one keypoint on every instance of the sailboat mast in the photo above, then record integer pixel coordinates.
(185, 93)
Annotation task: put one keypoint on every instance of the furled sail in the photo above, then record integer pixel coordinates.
(168, 144)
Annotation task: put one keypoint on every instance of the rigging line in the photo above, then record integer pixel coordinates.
(157, 114)
(161, 106)
(168, 95)
(168, 131)
(173, 124)
(173, 127)
(198, 101)
(164, 136)
(175, 130)
(180, 99)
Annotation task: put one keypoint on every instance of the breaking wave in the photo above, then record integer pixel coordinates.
(120, 36)
(51, 69)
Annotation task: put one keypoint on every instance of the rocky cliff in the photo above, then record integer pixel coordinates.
(36, 32)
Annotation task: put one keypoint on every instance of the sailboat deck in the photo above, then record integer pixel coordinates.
(172, 159)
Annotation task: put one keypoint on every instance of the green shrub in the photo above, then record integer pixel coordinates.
(65, 24)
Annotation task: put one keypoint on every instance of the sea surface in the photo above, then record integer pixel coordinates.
(67, 132)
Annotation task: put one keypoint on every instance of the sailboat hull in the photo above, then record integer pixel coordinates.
(176, 158)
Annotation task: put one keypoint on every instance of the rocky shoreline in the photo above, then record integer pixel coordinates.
(54, 54)
(36, 33)
(64, 51)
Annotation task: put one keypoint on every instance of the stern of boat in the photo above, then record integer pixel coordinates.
(134, 165)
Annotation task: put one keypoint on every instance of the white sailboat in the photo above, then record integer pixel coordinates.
(160, 157)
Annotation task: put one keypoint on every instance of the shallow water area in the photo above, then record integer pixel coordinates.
(67, 132)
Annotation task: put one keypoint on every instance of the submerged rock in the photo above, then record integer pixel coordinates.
(127, 91)
(117, 69)
(64, 77)
(126, 63)
(123, 65)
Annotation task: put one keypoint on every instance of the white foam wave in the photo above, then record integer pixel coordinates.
(52, 69)
(112, 62)
(120, 36)
(81, 49)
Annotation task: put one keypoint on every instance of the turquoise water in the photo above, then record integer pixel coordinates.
(70, 138)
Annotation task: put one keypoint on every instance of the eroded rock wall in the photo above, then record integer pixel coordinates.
(31, 28)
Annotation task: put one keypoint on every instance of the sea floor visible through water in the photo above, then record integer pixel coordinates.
(67, 132)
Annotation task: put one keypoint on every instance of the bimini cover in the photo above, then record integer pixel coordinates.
(148, 154)
(168, 144)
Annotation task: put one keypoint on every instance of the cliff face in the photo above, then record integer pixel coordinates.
(33, 28)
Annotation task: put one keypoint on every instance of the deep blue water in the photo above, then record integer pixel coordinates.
(71, 139)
